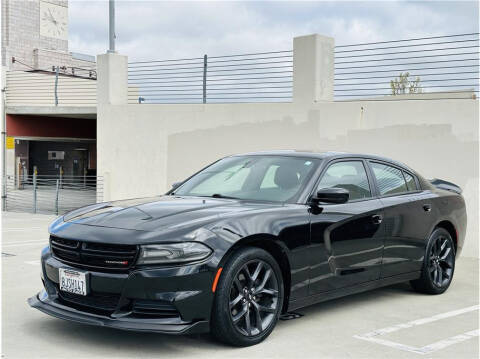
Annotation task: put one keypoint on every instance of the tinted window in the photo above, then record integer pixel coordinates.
(271, 178)
(231, 178)
(389, 179)
(411, 184)
(350, 175)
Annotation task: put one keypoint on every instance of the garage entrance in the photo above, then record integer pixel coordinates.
(52, 165)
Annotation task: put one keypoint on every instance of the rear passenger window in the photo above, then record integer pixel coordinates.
(411, 184)
(389, 179)
(349, 175)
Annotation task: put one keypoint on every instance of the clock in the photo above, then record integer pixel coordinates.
(53, 20)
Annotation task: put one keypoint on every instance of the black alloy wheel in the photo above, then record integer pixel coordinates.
(438, 265)
(441, 261)
(248, 298)
(254, 297)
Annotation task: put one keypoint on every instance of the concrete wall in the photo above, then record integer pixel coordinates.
(143, 149)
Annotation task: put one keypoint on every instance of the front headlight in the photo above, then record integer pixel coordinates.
(173, 253)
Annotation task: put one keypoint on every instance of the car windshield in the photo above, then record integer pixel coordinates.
(264, 178)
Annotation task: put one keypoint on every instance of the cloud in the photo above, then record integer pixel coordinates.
(176, 29)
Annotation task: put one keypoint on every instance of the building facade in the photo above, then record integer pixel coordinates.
(35, 36)
(50, 126)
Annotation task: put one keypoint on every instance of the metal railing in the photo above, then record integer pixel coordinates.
(254, 77)
(51, 194)
(439, 64)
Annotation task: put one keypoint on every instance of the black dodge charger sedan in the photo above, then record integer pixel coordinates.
(249, 238)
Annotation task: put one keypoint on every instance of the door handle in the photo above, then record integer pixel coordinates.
(427, 208)
(377, 219)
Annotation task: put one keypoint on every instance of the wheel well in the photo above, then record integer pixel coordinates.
(268, 243)
(450, 228)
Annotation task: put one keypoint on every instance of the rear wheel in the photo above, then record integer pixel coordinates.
(249, 298)
(438, 264)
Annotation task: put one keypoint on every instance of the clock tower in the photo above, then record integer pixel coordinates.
(35, 32)
(53, 21)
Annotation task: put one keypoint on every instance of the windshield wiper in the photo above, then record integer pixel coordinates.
(218, 195)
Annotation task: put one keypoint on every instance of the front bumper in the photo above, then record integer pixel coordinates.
(185, 291)
(50, 307)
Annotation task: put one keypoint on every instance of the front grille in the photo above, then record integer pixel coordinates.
(94, 302)
(154, 309)
(102, 256)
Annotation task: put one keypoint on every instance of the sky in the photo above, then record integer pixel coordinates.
(149, 30)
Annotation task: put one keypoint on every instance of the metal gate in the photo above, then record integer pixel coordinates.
(51, 194)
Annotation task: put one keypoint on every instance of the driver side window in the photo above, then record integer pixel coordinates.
(350, 175)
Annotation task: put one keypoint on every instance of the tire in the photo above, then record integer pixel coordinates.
(259, 296)
(438, 264)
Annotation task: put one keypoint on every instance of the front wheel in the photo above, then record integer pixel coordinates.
(249, 298)
(438, 264)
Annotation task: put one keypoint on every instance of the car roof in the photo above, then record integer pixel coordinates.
(324, 155)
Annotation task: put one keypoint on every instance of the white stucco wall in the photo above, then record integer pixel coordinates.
(145, 148)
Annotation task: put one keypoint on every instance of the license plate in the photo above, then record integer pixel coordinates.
(73, 281)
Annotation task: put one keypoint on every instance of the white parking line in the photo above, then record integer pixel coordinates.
(26, 243)
(427, 349)
(22, 229)
(449, 341)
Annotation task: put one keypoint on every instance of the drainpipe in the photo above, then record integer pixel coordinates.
(56, 86)
(4, 141)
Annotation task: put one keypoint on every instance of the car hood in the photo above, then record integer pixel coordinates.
(161, 213)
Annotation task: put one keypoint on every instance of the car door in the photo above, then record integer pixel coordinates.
(424, 212)
(346, 239)
(404, 219)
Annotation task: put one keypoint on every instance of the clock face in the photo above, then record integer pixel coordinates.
(53, 21)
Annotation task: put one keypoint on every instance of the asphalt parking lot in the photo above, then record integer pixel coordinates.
(392, 322)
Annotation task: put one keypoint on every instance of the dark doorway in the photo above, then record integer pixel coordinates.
(52, 156)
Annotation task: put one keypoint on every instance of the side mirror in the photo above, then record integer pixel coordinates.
(331, 195)
(176, 185)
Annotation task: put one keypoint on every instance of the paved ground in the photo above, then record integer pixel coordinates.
(406, 323)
